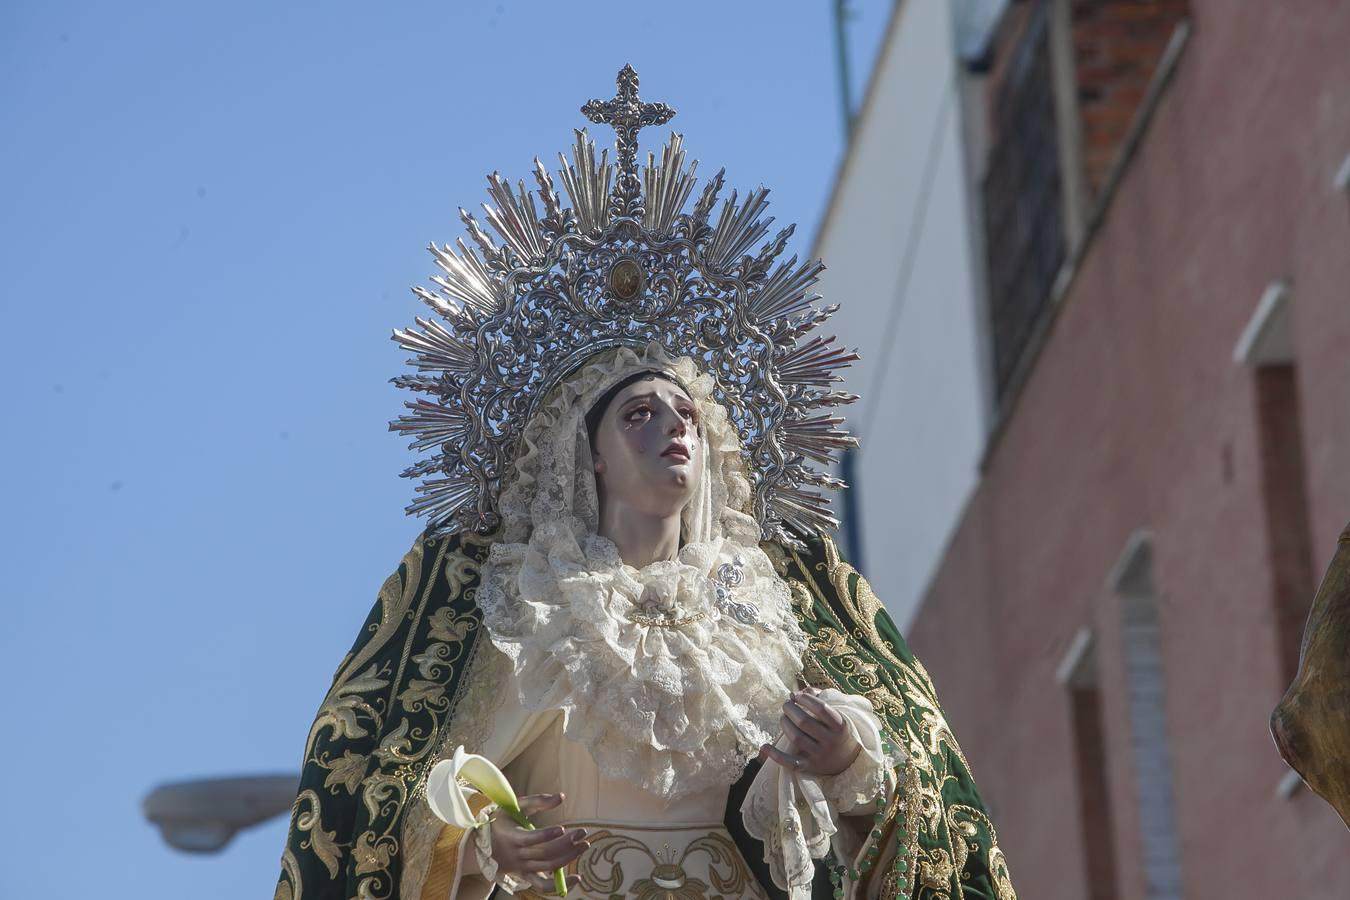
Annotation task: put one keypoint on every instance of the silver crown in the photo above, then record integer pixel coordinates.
(624, 265)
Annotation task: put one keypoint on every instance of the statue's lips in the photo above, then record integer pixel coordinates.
(676, 453)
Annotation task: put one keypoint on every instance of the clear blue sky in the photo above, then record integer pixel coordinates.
(211, 217)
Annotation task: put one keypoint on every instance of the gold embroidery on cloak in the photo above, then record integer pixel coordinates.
(291, 884)
(323, 843)
(925, 735)
(474, 709)
(386, 795)
(395, 598)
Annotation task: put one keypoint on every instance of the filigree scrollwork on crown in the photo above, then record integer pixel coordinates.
(626, 263)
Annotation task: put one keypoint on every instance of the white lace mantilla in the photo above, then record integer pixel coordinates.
(665, 689)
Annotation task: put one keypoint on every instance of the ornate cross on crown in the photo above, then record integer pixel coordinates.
(627, 114)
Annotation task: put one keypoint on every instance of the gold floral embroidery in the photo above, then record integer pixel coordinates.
(345, 706)
(971, 820)
(423, 710)
(395, 598)
(449, 632)
(372, 853)
(450, 626)
(399, 589)
(801, 599)
(395, 746)
(347, 771)
(322, 843)
(474, 706)
(998, 865)
(422, 693)
(862, 603)
(383, 796)
(417, 617)
(901, 692)
(291, 884)
(387, 705)
(936, 869)
(669, 877)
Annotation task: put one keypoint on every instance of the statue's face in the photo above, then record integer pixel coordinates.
(637, 448)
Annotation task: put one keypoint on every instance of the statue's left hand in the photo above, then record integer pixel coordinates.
(820, 742)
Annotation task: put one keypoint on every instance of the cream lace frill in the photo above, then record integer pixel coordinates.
(664, 689)
(797, 815)
(487, 863)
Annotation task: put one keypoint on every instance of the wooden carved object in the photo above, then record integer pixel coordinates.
(1311, 725)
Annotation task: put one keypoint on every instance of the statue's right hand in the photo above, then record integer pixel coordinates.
(534, 855)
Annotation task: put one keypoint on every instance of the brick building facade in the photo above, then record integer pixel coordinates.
(1118, 608)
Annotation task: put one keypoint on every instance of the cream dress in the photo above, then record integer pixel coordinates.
(644, 846)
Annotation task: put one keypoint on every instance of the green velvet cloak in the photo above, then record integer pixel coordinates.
(393, 701)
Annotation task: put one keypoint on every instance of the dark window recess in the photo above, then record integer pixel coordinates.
(1094, 796)
(1284, 493)
(1022, 200)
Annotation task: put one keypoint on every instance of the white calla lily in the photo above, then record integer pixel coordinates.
(453, 781)
(449, 799)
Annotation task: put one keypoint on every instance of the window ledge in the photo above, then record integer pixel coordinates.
(1289, 785)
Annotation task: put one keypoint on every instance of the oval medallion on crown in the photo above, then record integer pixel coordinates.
(626, 278)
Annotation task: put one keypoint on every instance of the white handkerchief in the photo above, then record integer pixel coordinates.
(796, 814)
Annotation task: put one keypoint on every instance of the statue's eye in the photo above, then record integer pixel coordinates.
(633, 414)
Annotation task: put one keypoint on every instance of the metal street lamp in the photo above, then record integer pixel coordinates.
(203, 815)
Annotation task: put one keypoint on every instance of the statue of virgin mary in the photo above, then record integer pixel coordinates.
(623, 602)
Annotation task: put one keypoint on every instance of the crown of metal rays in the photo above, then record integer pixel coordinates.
(624, 265)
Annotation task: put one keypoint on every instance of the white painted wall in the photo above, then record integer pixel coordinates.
(921, 419)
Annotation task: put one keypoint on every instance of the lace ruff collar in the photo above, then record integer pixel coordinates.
(666, 680)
